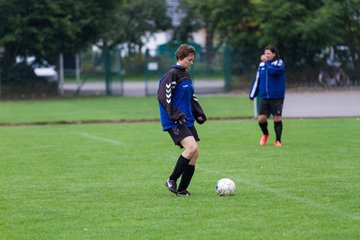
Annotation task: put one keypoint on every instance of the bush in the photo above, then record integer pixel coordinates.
(21, 82)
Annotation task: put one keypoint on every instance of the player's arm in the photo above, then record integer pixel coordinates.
(197, 110)
(165, 97)
(255, 85)
(276, 67)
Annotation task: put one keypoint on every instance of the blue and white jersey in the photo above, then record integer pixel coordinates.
(177, 99)
(270, 81)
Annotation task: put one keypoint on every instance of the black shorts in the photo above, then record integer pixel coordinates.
(271, 106)
(180, 132)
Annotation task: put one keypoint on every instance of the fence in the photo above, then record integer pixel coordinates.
(215, 71)
(123, 72)
(116, 73)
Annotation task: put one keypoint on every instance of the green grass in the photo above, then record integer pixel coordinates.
(106, 181)
(112, 108)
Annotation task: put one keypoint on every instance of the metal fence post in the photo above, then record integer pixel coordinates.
(227, 69)
(107, 69)
(119, 71)
(146, 71)
(77, 69)
(61, 70)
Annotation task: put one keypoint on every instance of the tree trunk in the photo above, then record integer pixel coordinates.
(209, 49)
(9, 59)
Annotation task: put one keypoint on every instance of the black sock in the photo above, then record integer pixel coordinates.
(186, 177)
(180, 166)
(278, 126)
(264, 128)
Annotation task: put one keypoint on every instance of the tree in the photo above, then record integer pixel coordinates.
(301, 30)
(131, 20)
(350, 22)
(230, 22)
(206, 12)
(48, 27)
(209, 13)
(185, 23)
(126, 24)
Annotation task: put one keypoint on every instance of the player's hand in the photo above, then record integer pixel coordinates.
(201, 119)
(181, 120)
(263, 58)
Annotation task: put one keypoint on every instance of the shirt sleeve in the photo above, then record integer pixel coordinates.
(276, 67)
(165, 96)
(197, 110)
(255, 85)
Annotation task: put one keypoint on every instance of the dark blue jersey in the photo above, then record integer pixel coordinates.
(270, 81)
(177, 99)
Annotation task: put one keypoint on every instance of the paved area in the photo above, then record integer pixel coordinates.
(304, 104)
(343, 103)
(138, 88)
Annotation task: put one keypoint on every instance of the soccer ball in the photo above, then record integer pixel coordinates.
(225, 187)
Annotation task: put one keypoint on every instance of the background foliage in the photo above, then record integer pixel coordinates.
(303, 31)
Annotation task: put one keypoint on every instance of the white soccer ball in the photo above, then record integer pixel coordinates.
(225, 187)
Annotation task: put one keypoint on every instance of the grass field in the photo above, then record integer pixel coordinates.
(106, 181)
(111, 108)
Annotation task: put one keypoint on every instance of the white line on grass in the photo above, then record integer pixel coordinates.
(289, 196)
(87, 135)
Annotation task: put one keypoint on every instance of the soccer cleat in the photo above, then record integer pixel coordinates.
(184, 193)
(278, 144)
(263, 139)
(171, 185)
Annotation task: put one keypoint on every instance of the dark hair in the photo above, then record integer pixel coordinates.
(183, 51)
(273, 50)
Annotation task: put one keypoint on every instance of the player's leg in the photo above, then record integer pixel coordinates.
(178, 134)
(181, 164)
(262, 120)
(192, 152)
(278, 125)
(191, 149)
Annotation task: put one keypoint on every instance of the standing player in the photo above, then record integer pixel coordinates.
(269, 86)
(179, 109)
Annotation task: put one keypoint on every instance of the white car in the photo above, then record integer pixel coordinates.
(46, 72)
(43, 69)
